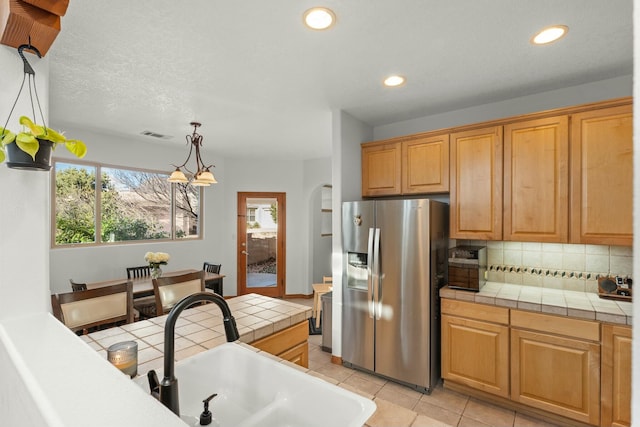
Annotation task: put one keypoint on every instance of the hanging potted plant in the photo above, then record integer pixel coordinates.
(31, 148)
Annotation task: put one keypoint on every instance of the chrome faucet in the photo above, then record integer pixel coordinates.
(167, 389)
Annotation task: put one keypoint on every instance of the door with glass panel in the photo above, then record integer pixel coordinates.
(261, 243)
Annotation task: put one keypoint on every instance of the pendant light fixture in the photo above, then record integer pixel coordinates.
(202, 175)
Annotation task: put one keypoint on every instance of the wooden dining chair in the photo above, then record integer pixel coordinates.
(211, 268)
(92, 308)
(214, 284)
(75, 286)
(169, 290)
(138, 272)
(320, 289)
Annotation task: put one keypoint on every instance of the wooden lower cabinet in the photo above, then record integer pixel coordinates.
(289, 344)
(561, 367)
(616, 375)
(476, 354)
(557, 374)
(475, 350)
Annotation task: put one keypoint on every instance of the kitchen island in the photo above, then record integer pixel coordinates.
(275, 326)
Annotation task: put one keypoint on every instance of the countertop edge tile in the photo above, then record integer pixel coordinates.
(581, 305)
(292, 314)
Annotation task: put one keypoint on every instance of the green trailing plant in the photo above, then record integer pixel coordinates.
(29, 139)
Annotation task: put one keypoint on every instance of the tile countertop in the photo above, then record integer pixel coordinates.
(200, 328)
(583, 305)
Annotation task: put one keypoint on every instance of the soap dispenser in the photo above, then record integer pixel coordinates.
(206, 417)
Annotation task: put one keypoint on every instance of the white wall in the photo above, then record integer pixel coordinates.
(289, 176)
(296, 178)
(24, 236)
(319, 246)
(89, 264)
(24, 229)
(574, 95)
(348, 132)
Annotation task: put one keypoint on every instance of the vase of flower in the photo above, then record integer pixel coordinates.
(156, 271)
(155, 260)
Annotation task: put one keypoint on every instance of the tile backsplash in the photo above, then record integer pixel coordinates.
(565, 266)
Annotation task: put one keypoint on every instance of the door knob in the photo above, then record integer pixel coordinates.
(245, 252)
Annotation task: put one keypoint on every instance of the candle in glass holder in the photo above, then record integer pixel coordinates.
(124, 356)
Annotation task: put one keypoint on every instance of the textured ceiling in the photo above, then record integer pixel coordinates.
(264, 85)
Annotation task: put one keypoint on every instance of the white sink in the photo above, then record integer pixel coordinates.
(254, 390)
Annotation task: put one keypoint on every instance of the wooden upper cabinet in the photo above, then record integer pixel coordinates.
(381, 166)
(425, 165)
(476, 184)
(536, 180)
(602, 176)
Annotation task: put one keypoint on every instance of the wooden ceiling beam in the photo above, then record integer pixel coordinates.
(20, 20)
(57, 7)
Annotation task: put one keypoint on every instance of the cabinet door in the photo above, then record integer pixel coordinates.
(556, 374)
(476, 354)
(616, 375)
(298, 355)
(425, 165)
(602, 176)
(381, 165)
(289, 344)
(476, 184)
(536, 180)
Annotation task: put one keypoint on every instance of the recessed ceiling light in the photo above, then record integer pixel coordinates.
(550, 34)
(393, 81)
(319, 18)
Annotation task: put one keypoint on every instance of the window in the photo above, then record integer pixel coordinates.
(96, 204)
(251, 214)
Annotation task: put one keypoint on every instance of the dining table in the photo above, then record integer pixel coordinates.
(143, 286)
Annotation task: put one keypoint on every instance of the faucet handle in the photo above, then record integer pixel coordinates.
(154, 384)
(206, 416)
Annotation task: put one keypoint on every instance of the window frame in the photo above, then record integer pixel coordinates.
(98, 207)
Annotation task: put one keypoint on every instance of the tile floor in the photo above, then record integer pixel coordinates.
(399, 406)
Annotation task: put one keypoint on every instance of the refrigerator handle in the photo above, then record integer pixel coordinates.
(377, 283)
(370, 258)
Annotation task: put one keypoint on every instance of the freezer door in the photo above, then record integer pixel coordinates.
(403, 308)
(357, 298)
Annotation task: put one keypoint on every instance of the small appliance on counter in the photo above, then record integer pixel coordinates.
(615, 288)
(467, 267)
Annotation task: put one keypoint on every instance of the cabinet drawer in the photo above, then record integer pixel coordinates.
(285, 339)
(574, 328)
(475, 311)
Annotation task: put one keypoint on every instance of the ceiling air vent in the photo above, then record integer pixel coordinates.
(155, 134)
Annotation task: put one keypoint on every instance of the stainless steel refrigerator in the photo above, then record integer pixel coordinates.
(394, 258)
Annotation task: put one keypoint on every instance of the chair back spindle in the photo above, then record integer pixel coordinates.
(212, 268)
(138, 272)
(76, 286)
